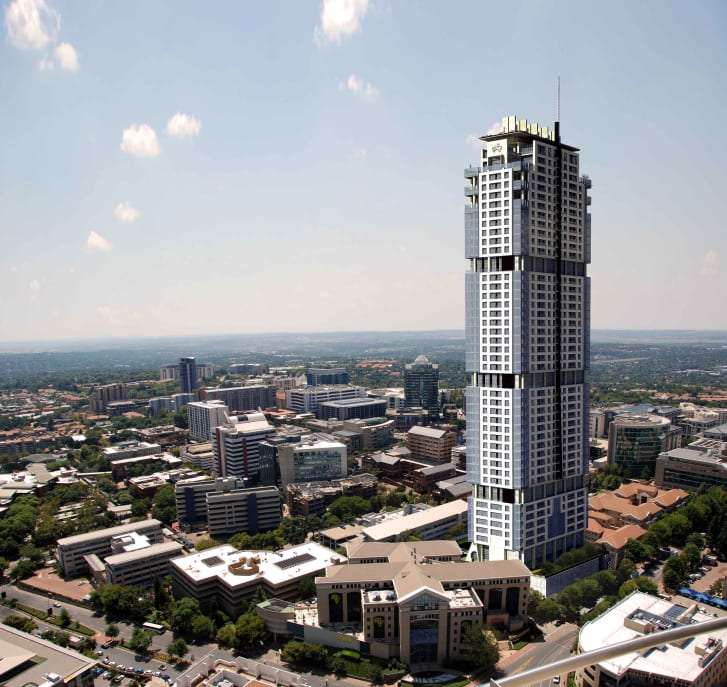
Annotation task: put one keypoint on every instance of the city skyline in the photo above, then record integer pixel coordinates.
(226, 164)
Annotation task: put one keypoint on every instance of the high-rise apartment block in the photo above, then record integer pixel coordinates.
(188, 374)
(237, 446)
(421, 385)
(105, 394)
(527, 240)
(204, 416)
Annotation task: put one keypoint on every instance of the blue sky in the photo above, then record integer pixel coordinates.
(201, 168)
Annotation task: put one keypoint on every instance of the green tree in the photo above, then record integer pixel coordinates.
(64, 618)
(165, 505)
(692, 555)
(306, 588)
(20, 623)
(112, 630)
(184, 610)
(227, 636)
(547, 611)
(23, 568)
(376, 675)
(480, 645)
(534, 600)
(177, 647)
(140, 640)
(338, 667)
(204, 544)
(203, 629)
(250, 630)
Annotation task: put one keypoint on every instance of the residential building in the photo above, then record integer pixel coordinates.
(322, 376)
(376, 433)
(130, 449)
(160, 404)
(704, 461)
(635, 441)
(352, 409)
(30, 660)
(181, 400)
(698, 660)
(242, 399)
(237, 446)
(204, 416)
(114, 408)
(247, 368)
(527, 332)
(166, 436)
(415, 602)
(122, 468)
(105, 394)
(230, 578)
(423, 480)
(253, 510)
(168, 373)
(421, 385)
(188, 374)
(315, 457)
(430, 443)
(72, 551)
(306, 399)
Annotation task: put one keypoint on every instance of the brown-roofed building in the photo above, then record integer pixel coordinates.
(615, 541)
(405, 606)
(430, 443)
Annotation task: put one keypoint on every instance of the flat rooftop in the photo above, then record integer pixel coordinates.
(26, 659)
(276, 567)
(415, 521)
(678, 660)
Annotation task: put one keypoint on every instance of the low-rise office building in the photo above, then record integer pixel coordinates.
(312, 498)
(702, 462)
(139, 566)
(233, 577)
(72, 551)
(253, 510)
(29, 660)
(423, 480)
(432, 523)
(402, 603)
(430, 443)
(351, 409)
(307, 399)
(699, 660)
(191, 497)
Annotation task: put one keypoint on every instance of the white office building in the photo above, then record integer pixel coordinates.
(237, 446)
(204, 416)
(314, 459)
(307, 399)
(527, 240)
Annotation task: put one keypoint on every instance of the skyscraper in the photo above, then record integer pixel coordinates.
(527, 240)
(188, 374)
(421, 385)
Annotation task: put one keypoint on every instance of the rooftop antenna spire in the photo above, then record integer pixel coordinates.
(558, 102)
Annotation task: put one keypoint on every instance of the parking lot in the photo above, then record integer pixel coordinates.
(713, 574)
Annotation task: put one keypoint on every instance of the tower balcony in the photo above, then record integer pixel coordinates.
(471, 191)
(470, 172)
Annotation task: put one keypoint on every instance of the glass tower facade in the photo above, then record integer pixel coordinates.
(527, 242)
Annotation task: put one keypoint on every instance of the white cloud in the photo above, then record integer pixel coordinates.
(358, 86)
(183, 125)
(96, 242)
(67, 57)
(31, 24)
(45, 64)
(710, 263)
(140, 140)
(494, 128)
(126, 212)
(339, 18)
(474, 140)
(34, 286)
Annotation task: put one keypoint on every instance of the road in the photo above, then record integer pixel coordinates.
(556, 645)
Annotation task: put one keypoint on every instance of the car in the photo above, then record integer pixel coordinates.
(166, 677)
(556, 680)
(118, 679)
(139, 671)
(56, 604)
(106, 675)
(162, 666)
(99, 652)
(147, 672)
(157, 673)
(97, 671)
